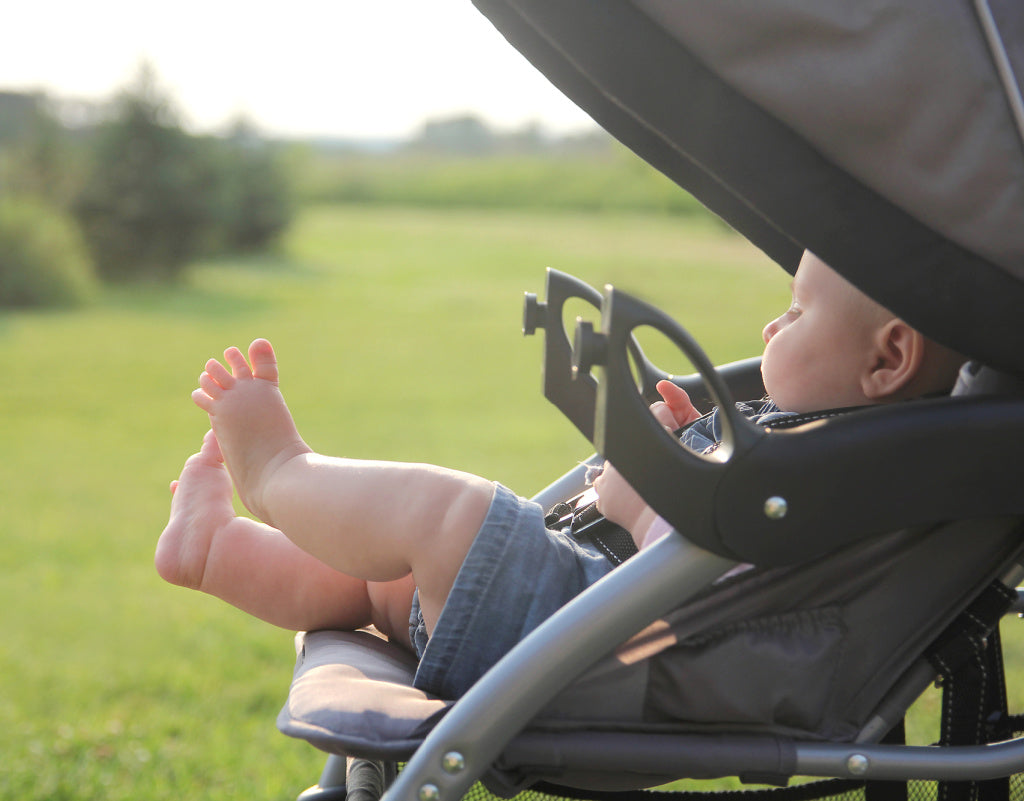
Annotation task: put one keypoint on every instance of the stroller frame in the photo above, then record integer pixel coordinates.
(487, 724)
(886, 142)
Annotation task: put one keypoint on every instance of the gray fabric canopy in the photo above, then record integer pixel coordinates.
(887, 137)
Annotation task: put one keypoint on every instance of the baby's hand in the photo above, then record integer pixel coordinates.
(616, 499)
(620, 503)
(675, 410)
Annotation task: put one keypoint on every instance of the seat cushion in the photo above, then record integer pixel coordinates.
(352, 695)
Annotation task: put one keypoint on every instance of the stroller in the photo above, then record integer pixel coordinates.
(889, 140)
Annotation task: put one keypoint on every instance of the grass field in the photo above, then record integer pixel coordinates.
(398, 334)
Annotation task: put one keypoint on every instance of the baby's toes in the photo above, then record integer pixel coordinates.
(211, 448)
(216, 372)
(202, 398)
(236, 361)
(264, 360)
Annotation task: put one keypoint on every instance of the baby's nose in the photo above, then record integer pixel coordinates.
(770, 330)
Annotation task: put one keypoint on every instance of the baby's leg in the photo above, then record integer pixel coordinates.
(378, 521)
(257, 569)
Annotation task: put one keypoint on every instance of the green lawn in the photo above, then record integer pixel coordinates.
(398, 334)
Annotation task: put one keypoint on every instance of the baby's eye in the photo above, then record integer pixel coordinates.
(794, 309)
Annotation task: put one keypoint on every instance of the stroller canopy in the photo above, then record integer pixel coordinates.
(886, 137)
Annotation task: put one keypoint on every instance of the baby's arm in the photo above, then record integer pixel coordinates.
(617, 500)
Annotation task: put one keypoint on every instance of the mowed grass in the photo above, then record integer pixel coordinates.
(398, 335)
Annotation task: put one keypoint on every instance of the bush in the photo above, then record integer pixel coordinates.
(253, 203)
(43, 261)
(145, 209)
(157, 197)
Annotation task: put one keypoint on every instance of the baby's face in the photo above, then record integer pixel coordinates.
(817, 351)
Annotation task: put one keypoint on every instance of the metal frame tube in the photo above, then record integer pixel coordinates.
(473, 733)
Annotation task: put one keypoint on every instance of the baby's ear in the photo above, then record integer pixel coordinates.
(897, 358)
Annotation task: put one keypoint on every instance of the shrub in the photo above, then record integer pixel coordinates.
(43, 261)
(252, 205)
(145, 209)
(157, 197)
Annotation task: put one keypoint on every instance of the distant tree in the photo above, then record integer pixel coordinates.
(465, 135)
(531, 138)
(254, 199)
(145, 208)
(37, 157)
(18, 110)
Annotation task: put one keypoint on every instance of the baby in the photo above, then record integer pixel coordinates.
(449, 564)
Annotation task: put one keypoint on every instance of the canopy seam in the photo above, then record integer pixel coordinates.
(1002, 63)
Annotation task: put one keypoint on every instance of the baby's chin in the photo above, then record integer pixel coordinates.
(776, 394)
(785, 402)
(790, 398)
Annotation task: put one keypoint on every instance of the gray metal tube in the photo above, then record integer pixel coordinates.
(473, 733)
(907, 762)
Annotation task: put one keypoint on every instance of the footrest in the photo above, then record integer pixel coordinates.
(352, 695)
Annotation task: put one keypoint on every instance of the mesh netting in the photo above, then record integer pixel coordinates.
(830, 790)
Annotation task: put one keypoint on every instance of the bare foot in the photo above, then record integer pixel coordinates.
(249, 417)
(201, 506)
(254, 567)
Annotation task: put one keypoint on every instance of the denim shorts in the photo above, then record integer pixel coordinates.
(516, 575)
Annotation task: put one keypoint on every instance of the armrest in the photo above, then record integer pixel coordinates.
(778, 497)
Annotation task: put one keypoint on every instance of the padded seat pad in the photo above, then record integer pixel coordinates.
(352, 694)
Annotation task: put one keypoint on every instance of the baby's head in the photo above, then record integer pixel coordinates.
(836, 347)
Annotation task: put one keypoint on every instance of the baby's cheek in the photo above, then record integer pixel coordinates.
(772, 374)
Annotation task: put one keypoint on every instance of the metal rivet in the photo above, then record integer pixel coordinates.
(775, 507)
(429, 792)
(857, 764)
(453, 762)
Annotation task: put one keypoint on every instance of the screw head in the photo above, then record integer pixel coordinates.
(453, 762)
(429, 792)
(857, 764)
(776, 507)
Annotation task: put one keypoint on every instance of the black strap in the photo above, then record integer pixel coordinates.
(586, 523)
(968, 658)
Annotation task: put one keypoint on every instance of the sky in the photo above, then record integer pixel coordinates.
(347, 68)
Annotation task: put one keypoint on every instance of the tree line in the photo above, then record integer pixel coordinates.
(125, 195)
(120, 192)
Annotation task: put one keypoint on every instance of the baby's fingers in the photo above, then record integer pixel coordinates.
(679, 404)
(664, 415)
